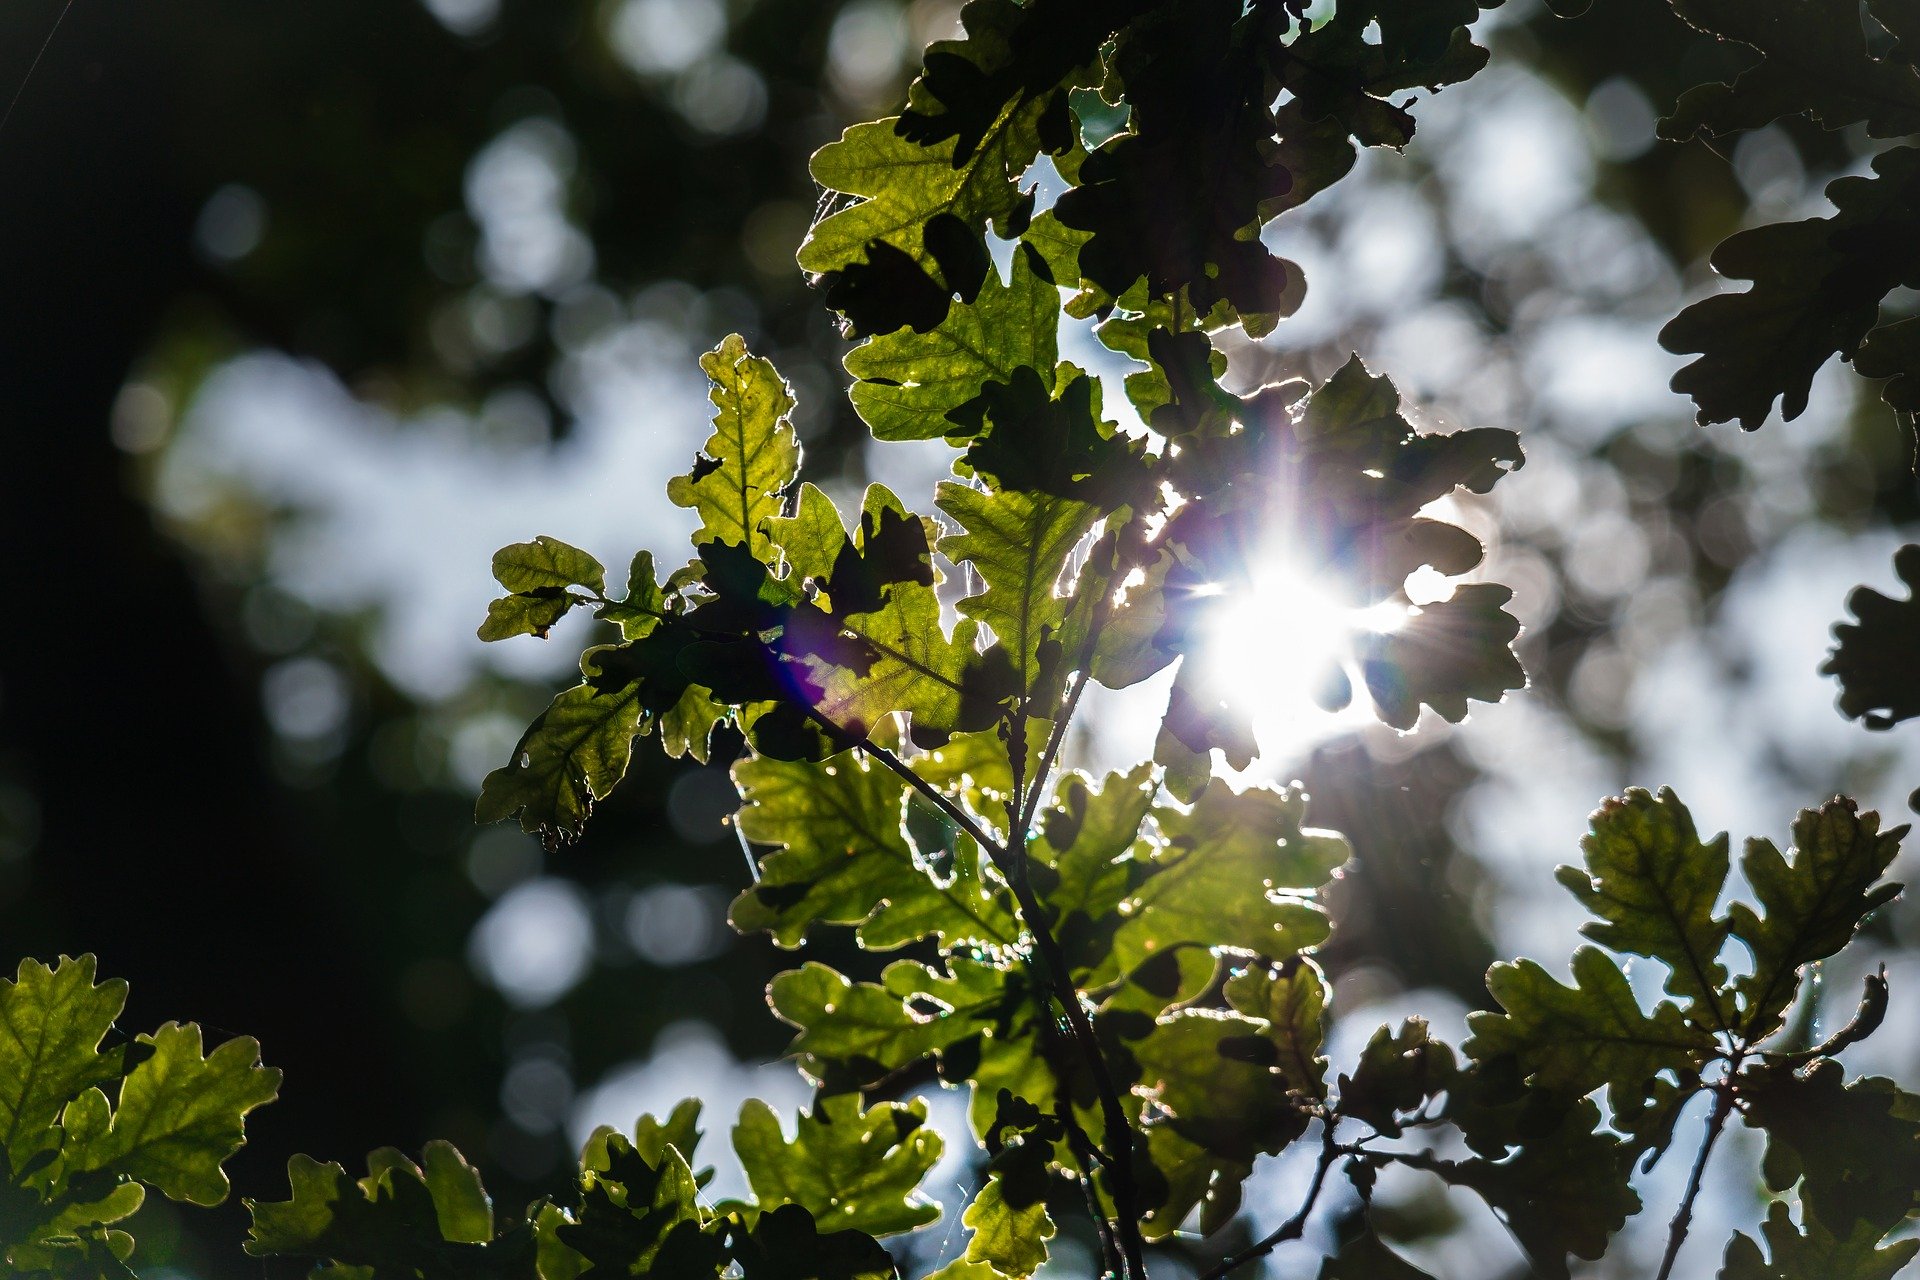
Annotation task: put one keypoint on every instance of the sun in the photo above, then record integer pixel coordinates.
(1281, 645)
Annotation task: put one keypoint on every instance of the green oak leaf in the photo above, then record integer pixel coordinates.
(86, 1253)
(1237, 869)
(686, 728)
(1027, 435)
(902, 185)
(1817, 287)
(569, 757)
(852, 1170)
(1200, 719)
(752, 456)
(639, 1209)
(537, 576)
(1008, 1218)
(1591, 1035)
(1019, 544)
(1012, 53)
(52, 1020)
(645, 603)
(1176, 197)
(1079, 861)
(981, 1023)
(1179, 392)
(1127, 647)
(1010, 1239)
(1233, 1086)
(842, 858)
(908, 383)
(943, 683)
(1815, 1253)
(546, 562)
(811, 538)
(1184, 1174)
(1292, 999)
(858, 1032)
(179, 1116)
(874, 645)
(1873, 657)
(1653, 882)
(1355, 438)
(1813, 60)
(530, 614)
(430, 1220)
(652, 1136)
(973, 764)
(1809, 907)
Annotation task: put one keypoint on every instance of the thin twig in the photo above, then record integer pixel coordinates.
(1118, 1158)
(1126, 543)
(1025, 814)
(1087, 1156)
(1683, 1216)
(1293, 1228)
(933, 795)
(35, 64)
(1059, 977)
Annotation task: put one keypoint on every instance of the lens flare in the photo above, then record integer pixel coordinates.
(1280, 644)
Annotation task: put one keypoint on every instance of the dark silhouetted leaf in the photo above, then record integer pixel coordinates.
(1874, 657)
(1813, 60)
(1816, 293)
(1815, 1253)
(1444, 655)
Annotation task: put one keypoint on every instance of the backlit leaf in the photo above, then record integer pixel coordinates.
(1815, 1253)
(1446, 654)
(1019, 544)
(1810, 906)
(1238, 870)
(1591, 1035)
(901, 185)
(428, 1220)
(753, 444)
(908, 383)
(1653, 882)
(842, 858)
(179, 1116)
(52, 1020)
(850, 1169)
(786, 1244)
(569, 757)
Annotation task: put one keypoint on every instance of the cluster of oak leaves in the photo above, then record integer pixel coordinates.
(1124, 976)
